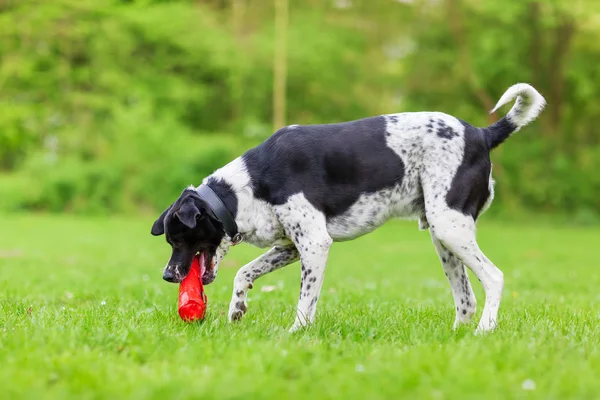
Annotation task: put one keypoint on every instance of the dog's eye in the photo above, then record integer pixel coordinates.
(174, 243)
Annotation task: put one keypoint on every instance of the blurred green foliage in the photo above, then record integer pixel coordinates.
(116, 106)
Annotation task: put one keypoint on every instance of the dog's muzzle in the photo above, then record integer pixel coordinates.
(172, 274)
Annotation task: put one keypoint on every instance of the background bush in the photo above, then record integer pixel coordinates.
(116, 106)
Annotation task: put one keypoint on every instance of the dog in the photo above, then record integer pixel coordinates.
(306, 187)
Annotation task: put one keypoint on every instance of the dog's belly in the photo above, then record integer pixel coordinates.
(372, 210)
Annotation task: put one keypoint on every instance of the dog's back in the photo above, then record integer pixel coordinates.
(358, 173)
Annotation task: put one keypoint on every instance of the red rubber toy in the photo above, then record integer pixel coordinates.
(192, 300)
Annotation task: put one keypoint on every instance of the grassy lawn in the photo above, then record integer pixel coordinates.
(84, 313)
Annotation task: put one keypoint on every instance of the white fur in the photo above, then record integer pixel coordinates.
(456, 232)
(306, 227)
(528, 106)
(370, 211)
(464, 299)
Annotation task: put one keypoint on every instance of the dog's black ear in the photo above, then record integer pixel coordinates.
(188, 214)
(158, 228)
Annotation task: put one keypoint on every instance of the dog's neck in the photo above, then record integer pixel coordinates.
(233, 185)
(225, 192)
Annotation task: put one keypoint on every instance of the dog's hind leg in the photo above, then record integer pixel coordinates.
(307, 228)
(456, 232)
(456, 186)
(274, 259)
(464, 298)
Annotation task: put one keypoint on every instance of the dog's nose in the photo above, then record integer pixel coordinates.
(169, 275)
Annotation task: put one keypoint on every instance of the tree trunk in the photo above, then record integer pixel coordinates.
(237, 79)
(563, 38)
(280, 64)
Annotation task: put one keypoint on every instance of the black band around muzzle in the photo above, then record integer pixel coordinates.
(221, 212)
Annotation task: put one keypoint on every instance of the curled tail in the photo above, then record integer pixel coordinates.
(528, 106)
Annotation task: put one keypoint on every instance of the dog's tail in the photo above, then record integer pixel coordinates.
(528, 106)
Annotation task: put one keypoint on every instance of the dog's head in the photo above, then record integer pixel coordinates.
(191, 228)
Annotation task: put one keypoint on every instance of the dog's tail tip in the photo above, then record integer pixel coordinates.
(528, 106)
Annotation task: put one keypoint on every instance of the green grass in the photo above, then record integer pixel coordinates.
(85, 314)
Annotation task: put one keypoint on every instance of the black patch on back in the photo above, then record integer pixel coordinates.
(331, 164)
(470, 188)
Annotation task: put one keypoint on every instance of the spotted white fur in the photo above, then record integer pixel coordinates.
(464, 298)
(307, 228)
(456, 232)
(405, 136)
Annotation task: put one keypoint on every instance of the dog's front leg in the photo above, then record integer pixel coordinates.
(313, 258)
(307, 228)
(277, 257)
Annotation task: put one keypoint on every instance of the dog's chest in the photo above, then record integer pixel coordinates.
(260, 226)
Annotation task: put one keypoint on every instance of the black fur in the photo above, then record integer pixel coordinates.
(331, 164)
(470, 187)
(498, 132)
(189, 228)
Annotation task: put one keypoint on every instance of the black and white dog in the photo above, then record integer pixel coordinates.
(308, 186)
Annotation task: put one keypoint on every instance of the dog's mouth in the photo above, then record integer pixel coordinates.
(206, 260)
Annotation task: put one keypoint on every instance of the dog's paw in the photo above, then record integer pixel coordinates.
(463, 319)
(481, 332)
(484, 328)
(237, 309)
(298, 326)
